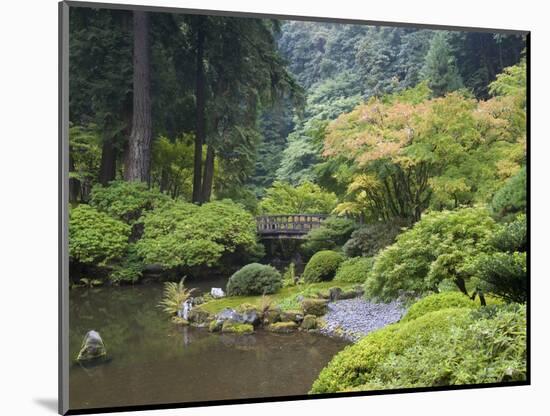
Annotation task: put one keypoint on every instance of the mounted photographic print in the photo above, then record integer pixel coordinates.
(260, 208)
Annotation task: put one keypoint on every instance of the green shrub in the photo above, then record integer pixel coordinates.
(126, 201)
(322, 266)
(332, 233)
(504, 273)
(445, 347)
(96, 238)
(511, 237)
(254, 279)
(512, 197)
(440, 246)
(354, 270)
(183, 234)
(129, 269)
(437, 302)
(368, 240)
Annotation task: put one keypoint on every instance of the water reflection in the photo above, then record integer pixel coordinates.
(154, 361)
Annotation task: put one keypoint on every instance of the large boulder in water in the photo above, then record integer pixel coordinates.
(92, 348)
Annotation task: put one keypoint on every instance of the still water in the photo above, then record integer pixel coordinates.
(154, 361)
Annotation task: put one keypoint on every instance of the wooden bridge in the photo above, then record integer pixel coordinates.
(293, 226)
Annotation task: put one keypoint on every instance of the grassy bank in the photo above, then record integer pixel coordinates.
(285, 297)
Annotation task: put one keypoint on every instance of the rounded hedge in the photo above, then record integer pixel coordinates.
(437, 302)
(446, 347)
(354, 270)
(95, 237)
(254, 279)
(322, 266)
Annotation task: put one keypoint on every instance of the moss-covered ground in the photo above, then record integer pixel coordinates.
(285, 297)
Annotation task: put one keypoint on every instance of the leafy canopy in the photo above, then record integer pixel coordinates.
(438, 247)
(307, 198)
(184, 234)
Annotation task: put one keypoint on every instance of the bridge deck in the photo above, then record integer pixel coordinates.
(287, 226)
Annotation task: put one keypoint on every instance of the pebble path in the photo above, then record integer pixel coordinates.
(352, 319)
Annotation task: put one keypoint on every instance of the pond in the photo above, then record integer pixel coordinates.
(155, 362)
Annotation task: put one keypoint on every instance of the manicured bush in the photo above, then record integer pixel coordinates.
(332, 233)
(368, 240)
(440, 246)
(322, 266)
(254, 279)
(445, 347)
(126, 201)
(437, 302)
(95, 237)
(354, 270)
(183, 234)
(512, 197)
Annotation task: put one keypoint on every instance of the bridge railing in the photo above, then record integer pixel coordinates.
(291, 224)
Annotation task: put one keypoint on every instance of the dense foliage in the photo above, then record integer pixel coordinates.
(445, 347)
(182, 234)
(332, 234)
(322, 266)
(354, 270)
(126, 200)
(254, 279)
(308, 198)
(503, 272)
(410, 153)
(512, 197)
(94, 237)
(436, 302)
(440, 246)
(369, 239)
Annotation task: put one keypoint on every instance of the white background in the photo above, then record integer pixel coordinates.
(28, 204)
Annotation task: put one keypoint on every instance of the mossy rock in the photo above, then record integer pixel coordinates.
(282, 327)
(250, 314)
(309, 322)
(180, 321)
(215, 326)
(199, 317)
(271, 316)
(317, 307)
(292, 316)
(92, 348)
(231, 327)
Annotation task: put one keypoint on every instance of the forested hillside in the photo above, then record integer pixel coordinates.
(341, 66)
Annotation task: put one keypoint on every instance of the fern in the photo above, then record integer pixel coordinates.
(174, 296)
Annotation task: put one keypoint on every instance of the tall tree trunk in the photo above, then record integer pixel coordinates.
(208, 177)
(200, 97)
(107, 168)
(138, 160)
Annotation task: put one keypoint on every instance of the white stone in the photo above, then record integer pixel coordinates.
(217, 292)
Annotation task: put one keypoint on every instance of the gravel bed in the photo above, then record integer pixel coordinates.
(352, 319)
